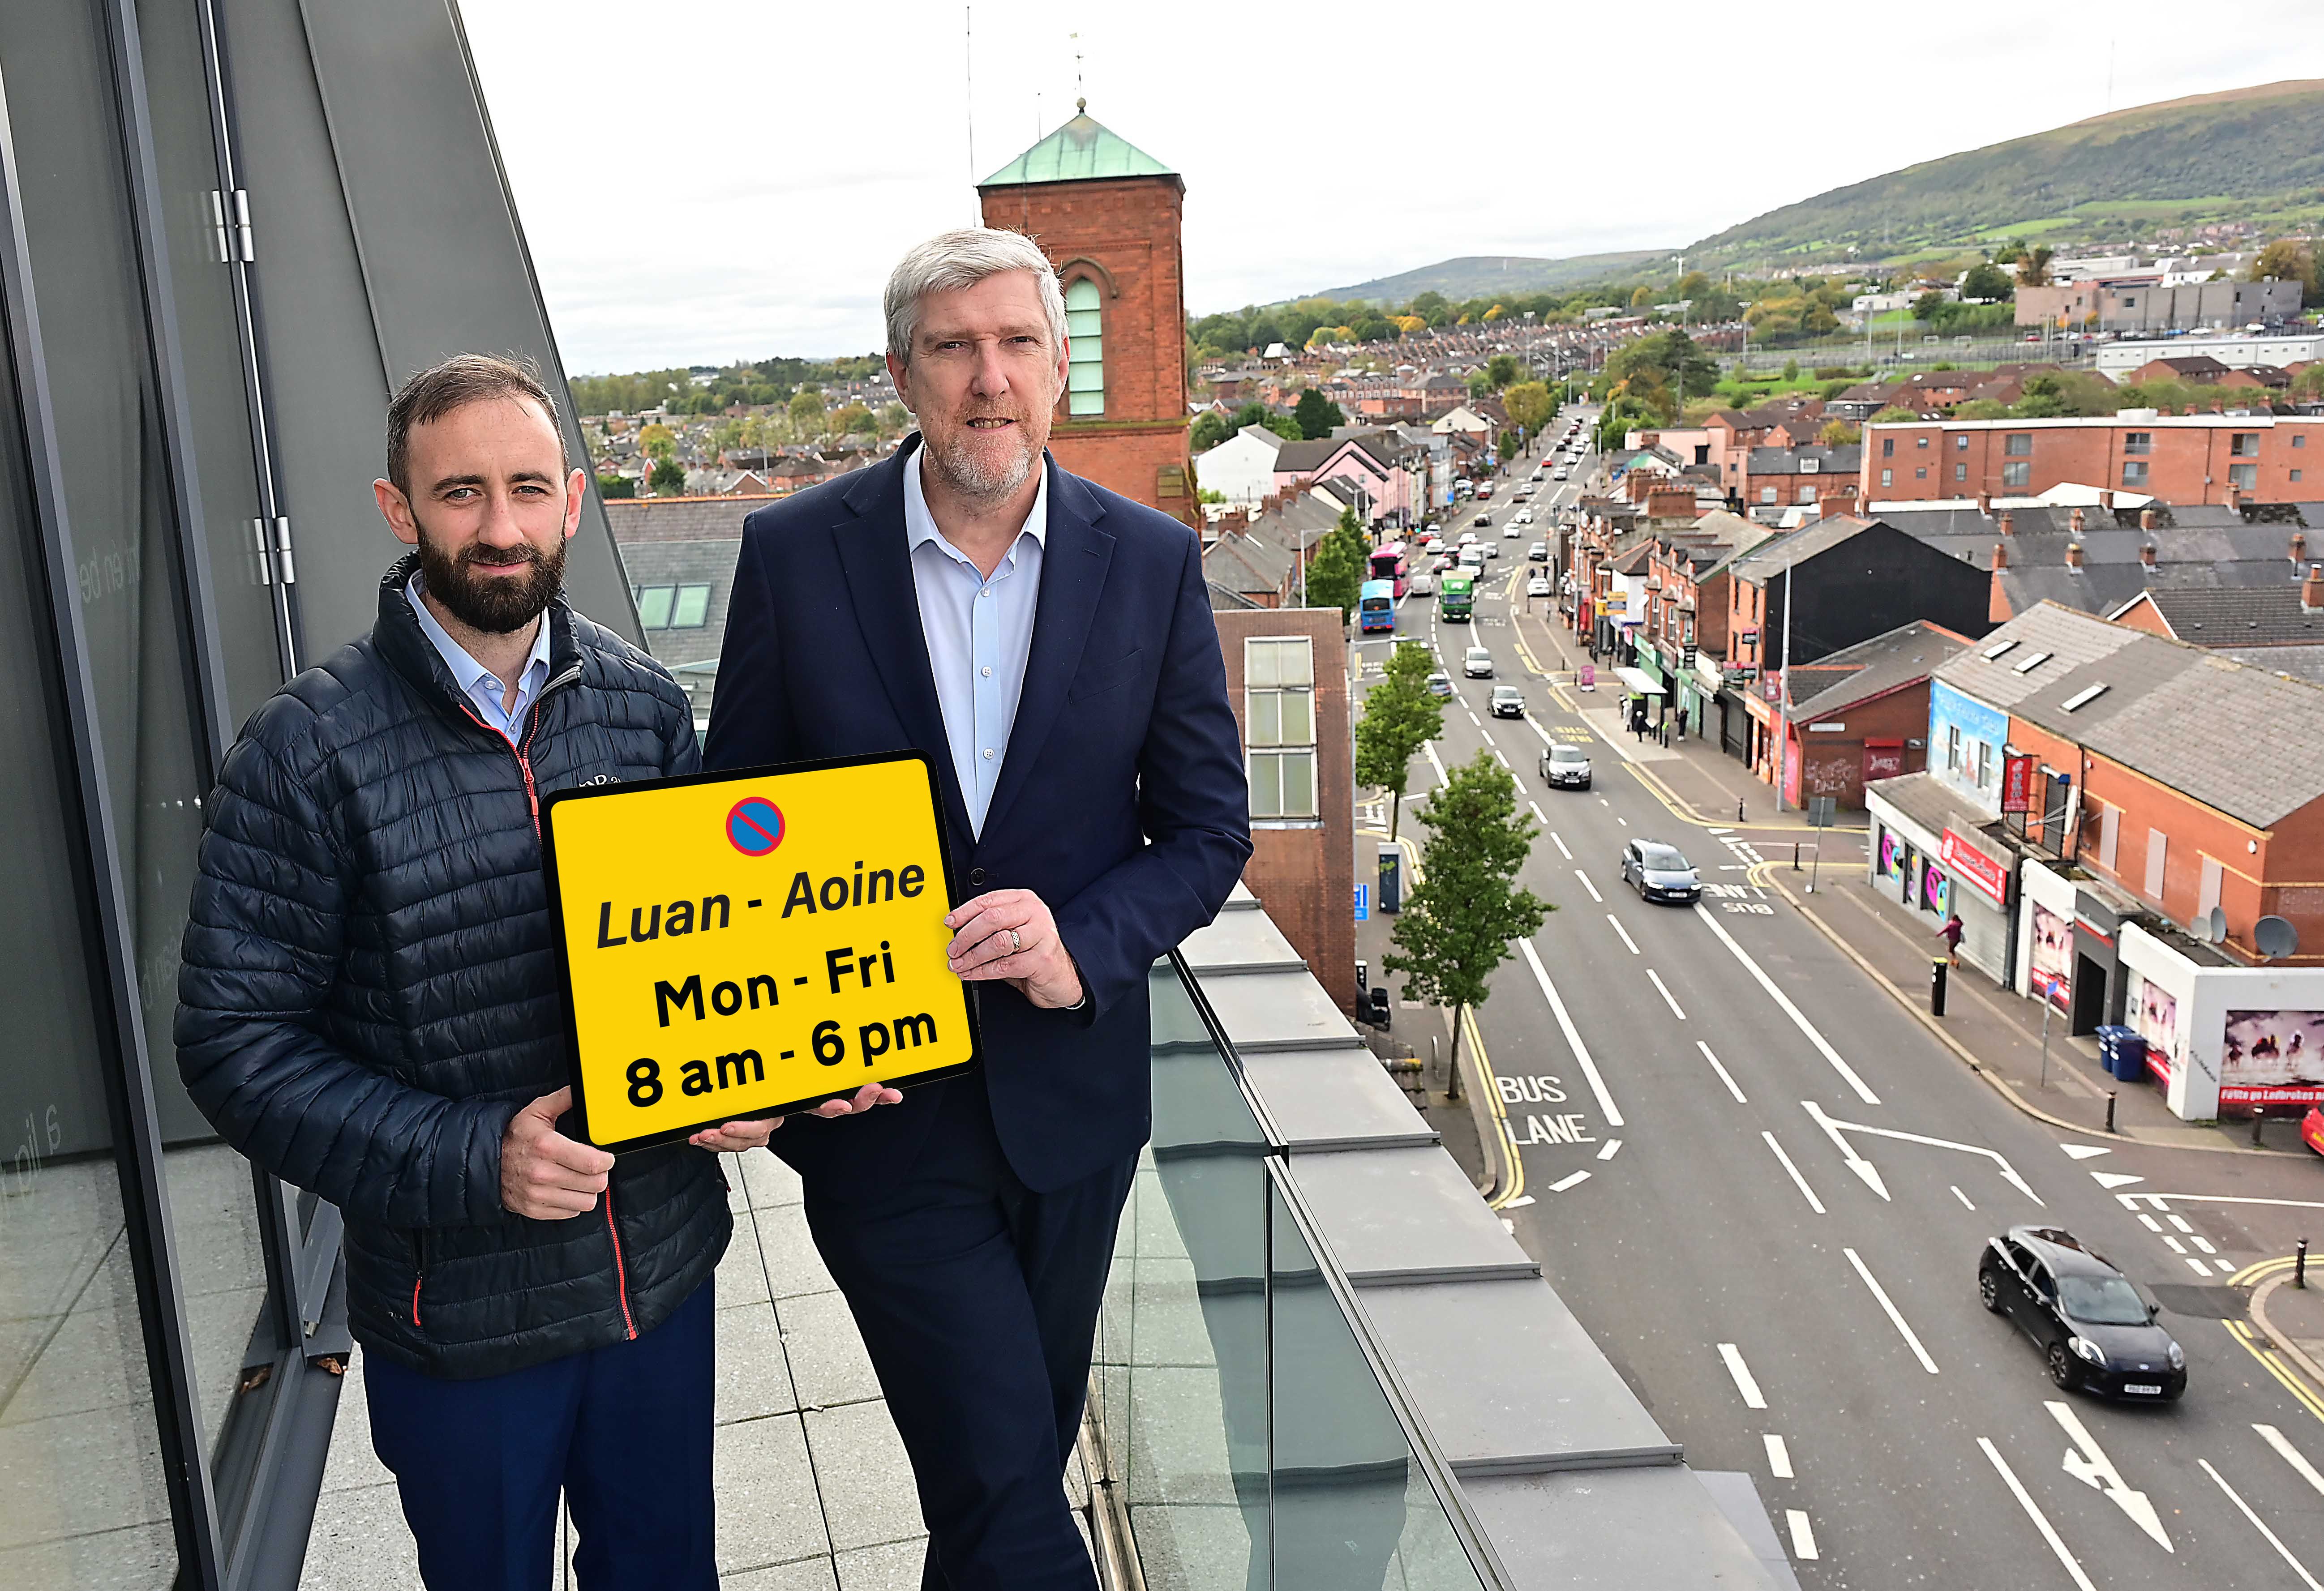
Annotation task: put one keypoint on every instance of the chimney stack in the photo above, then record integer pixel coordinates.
(2106, 499)
(2074, 554)
(2146, 521)
(2001, 555)
(1985, 504)
(2311, 590)
(2146, 555)
(2299, 546)
(2008, 523)
(2234, 497)
(2074, 522)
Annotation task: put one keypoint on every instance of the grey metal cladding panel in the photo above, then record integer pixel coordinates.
(442, 252)
(1509, 1382)
(1277, 1011)
(1406, 1215)
(1241, 941)
(1614, 1529)
(325, 378)
(1324, 1101)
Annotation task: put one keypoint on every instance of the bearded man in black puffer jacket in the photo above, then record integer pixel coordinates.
(369, 1009)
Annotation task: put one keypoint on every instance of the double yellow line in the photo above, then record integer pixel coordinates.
(1515, 1179)
(2269, 1359)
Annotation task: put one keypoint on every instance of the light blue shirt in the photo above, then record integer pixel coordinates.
(485, 688)
(979, 632)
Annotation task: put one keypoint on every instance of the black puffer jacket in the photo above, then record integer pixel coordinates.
(369, 992)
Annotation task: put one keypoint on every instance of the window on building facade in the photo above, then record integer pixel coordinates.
(2017, 475)
(1960, 443)
(2295, 475)
(1952, 748)
(1888, 478)
(1767, 494)
(1887, 446)
(1960, 472)
(2244, 477)
(1279, 725)
(1807, 495)
(1920, 474)
(2140, 442)
(2017, 444)
(1922, 443)
(2243, 444)
(2298, 441)
(2134, 472)
(2158, 847)
(673, 607)
(1085, 330)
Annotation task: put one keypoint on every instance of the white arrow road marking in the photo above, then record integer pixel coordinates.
(1744, 1383)
(1895, 1318)
(2008, 1172)
(1848, 1155)
(2087, 1462)
(2113, 1180)
(1784, 1001)
(2041, 1520)
(1576, 1181)
(1572, 1035)
(1804, 1547)
(1779, 1456)
(2273, 1541)
(1806, 1192)
(2290, 1455)
(2085, 1151)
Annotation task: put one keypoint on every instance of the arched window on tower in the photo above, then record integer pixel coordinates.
(1085, 334)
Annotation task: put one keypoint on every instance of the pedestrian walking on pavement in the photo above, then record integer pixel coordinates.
(1952, 934)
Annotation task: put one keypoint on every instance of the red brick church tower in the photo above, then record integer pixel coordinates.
(1107, 214)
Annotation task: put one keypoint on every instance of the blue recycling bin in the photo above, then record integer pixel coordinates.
(2123, 1052)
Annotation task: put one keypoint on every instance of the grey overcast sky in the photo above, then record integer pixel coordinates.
(704, 181)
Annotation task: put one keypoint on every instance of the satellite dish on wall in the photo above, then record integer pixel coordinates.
(2274, 937)
(2200, 929)
(2217, 924)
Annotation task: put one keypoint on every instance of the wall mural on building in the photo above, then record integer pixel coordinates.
(2053, 954)
(2274, 1057)
(1936, 890)
(2154, 1016)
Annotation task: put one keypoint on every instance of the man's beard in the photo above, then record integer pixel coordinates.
(973, 475)
(494, 604)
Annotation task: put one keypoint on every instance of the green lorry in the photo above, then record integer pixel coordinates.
(1454, 594)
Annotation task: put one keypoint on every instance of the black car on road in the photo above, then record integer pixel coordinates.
(2096, 1333)
(1660, 873)
(1508, 702)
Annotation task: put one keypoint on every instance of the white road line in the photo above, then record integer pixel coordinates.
(2260, 1525)
(1613, 1148)
(1504, 759)
(1576, 1181)
(1623, 820)
(2173, 1244)
(1538, 729)
(1437, 763)
(1724, 1075)
(1804, 1547)
(1561, 844)
(2204, 1244)
(1572, 1035)
(2290, 1455)
(1477, 721)
(2227, 1268)
(2041, 1520)
(1586, 884)
(1744, 1384)
(1489, 738)
(1537, 816)
(1779, 1456)
(1806, 1192)
(2151, 1223)
(1656, 979)
(2198, 1267)
(1782, 1000)
(1617, 924)
(1894, 1318)
(2180, 1221)
(1962, 1197)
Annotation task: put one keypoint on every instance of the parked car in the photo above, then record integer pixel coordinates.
(1539, 553)
(1566, 767)
(1508, 702)
(1440, 683)
(1538, 587)
(1476, 663)
(1660, 873)
(2096, 1332)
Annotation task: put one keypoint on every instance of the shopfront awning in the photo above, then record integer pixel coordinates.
(1639, 683)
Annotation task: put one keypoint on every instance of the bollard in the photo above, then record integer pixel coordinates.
(1795, 856)
(1938, 968)
(1738, 809)
(2109, 1111)
(2299, 1265)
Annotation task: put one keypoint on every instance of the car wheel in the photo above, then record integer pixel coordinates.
(1988, 1292)
(2061, 1367)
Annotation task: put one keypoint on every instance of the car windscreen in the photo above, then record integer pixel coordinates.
(2101, 1301)
(1566, 754)
(1662, 858)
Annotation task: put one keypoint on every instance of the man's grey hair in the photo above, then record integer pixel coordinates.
(951, 260)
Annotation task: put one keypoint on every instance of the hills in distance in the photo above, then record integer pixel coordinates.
(2252, 154)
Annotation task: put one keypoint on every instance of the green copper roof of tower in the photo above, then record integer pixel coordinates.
(1079, 152)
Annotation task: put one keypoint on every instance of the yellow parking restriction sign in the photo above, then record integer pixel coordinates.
(742, 944)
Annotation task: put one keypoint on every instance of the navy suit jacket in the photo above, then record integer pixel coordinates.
(1120, 802)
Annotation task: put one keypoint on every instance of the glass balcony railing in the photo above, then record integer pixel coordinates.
(1252, 1434)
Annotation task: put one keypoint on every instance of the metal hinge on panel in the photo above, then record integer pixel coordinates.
(230, 225)
(282, 550)
(265, 562)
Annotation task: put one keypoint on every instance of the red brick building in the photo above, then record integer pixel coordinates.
(2179, 458)
(1107, 214)
(1287, 678)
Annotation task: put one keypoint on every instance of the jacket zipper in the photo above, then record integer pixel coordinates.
(418, 1274)
(532, 796)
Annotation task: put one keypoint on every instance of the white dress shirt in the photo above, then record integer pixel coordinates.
(979, 632)
(487, 690)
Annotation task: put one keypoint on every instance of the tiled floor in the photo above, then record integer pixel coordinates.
(814, 1490)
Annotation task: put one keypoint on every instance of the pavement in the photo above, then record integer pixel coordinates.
(1761, 1175)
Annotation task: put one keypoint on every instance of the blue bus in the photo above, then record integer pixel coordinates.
(1376, 606)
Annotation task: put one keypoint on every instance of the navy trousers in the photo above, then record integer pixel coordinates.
(978, 1301)
(623, 1431)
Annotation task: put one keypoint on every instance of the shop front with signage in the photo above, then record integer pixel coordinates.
(1931, 853)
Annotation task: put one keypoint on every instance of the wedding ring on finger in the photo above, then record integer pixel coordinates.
(1016, 942)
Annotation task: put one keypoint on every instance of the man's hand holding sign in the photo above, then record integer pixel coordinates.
(1009, 935)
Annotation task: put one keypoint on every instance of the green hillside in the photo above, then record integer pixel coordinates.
(1478, 276)
(2251, 154)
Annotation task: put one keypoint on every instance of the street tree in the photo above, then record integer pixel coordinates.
(1400, 717)
(1987, 282)
(2288, 259)
(1465, 908)
(1530, 405)
(895, 420)
(1316, 415)
(807, 411)
(667, 479)
(657, 442)
(850, 420)
(1839, 433)
(616, 486)
(1929, 306)
(2033, 267)
(1210, 428)
(1502, 368)
(1337, 567)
